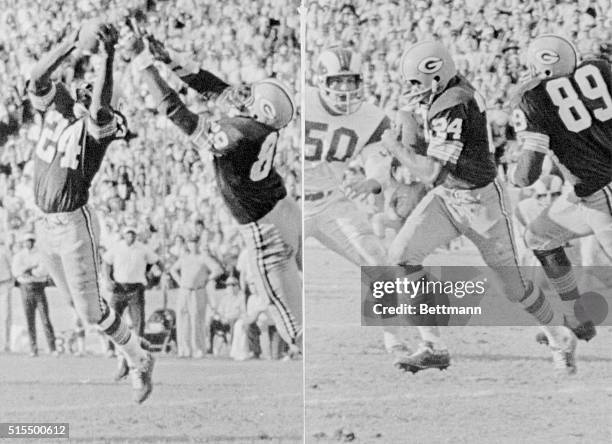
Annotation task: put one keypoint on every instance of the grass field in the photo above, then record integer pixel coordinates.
(499, 389)
(209, 400)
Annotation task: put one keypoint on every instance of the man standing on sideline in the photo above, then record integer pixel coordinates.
(6, 287)
(192, 272)
(32, 277)
(126, 266)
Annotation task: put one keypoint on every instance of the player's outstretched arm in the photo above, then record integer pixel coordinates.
(169, 102)
(40, 77)
(200, 80)
(100, 109)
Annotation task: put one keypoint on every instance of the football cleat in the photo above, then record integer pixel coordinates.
(585, 332)
(122, 368)
(425, 357)
(564, 351)
(551, 55)
(122, 365)
(340, 80)
(142, 383)
(428, 67)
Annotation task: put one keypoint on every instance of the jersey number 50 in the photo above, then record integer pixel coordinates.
(572, 111)
(341, 147)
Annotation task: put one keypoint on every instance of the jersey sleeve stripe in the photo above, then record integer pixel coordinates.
(534, 141)
(200, 131)
(102, 131)
(42, 102)
(447, 151)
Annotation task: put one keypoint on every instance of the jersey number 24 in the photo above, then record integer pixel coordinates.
(59, 136)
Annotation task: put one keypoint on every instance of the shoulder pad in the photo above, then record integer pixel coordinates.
(451, 97)
(517, 95)
(599, 62)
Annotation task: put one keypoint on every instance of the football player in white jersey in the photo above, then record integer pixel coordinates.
(339, 124)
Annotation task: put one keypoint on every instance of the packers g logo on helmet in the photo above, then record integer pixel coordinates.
(430, 65)
(551, 55)
(427, 67)
(547, 57)
(271, 103)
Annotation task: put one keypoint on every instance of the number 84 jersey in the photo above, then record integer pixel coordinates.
(332, 141)
(570, 117)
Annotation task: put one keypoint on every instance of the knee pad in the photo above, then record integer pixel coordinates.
(554, 261)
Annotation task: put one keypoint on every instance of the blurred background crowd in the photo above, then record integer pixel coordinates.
(155, 182)
(487, 39)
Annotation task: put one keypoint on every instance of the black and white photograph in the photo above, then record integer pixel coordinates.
(150, 230)
(441, 134)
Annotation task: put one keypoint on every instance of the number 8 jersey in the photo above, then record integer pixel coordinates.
(570, 117)
(69, 152)
(331, 140)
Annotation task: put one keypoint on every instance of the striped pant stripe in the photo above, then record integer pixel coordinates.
(94, 250)
(506, 215)
(286, 315)
(607, 190)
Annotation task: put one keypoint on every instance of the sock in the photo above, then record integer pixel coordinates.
(558, 269)
(115, 328)
(391, 338)
(537, 305)
(432, 334)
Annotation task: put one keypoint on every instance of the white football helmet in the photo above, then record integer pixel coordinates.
(271, 103)
(336, 64)
(551, 55)
(428, 67)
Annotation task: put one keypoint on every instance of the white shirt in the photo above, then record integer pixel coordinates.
(130, 262)
(27, 266)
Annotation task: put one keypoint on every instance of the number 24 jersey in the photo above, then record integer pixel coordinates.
(571, 116)
(331, 141)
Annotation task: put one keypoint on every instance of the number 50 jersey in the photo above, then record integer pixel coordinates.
(572, 117)
(331, 140)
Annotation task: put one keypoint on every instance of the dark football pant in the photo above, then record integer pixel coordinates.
(33, 297)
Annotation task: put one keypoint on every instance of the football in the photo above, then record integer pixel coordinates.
(88, 40)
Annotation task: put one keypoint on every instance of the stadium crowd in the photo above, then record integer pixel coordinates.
(155, 181)
(486, 38)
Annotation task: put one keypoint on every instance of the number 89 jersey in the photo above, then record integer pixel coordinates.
(571, 116)
(244, 152)
(331, 141)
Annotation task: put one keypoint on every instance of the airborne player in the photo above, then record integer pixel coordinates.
(338, 126)
(467, 199)
(565, 111)
(76, 133)
(242, 149)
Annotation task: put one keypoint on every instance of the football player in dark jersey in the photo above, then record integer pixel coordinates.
(565, 111)
(242, 148)
(76, 133)
(467, 199)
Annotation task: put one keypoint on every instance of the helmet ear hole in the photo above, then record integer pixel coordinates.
(437, 78)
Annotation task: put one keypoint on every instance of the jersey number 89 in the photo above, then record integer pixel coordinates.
(572, 111)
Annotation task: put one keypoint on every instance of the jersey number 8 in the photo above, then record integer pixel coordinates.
(572, 111)
(262, 166)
